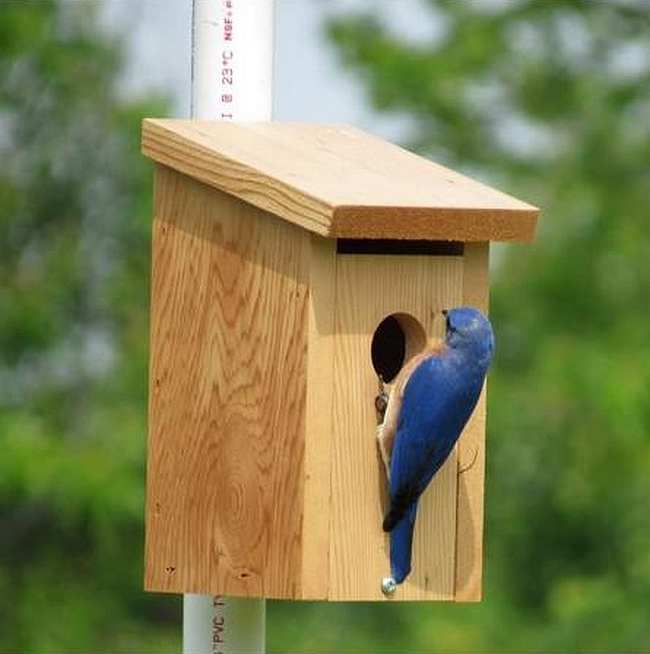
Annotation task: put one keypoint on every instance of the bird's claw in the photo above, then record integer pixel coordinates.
(381, 401)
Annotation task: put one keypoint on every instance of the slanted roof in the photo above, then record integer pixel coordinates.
(338, 181)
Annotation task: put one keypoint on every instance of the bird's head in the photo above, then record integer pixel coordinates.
(468, 330)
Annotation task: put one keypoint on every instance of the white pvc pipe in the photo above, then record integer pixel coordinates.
(232, 76)
(232, 60)
(199, 624)
(215, 625)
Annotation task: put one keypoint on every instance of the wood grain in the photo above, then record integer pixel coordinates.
(227, 414)
(471, 449)
(319, 428)
(338, 181)
(369, 288)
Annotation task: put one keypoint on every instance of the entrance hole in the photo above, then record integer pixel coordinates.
(397, 338)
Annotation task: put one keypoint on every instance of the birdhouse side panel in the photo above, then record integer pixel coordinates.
(471, 448)
(229, 327)
(369, 288)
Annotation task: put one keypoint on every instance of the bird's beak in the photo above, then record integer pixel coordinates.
(445, 312)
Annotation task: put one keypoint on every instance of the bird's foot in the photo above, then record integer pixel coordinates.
(381, 400)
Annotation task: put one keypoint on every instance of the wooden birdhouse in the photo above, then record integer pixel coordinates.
(293, 264)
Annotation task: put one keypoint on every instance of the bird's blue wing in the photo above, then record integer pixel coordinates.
(416, 440)
(435, 407)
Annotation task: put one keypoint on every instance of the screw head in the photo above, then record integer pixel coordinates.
(388, 586)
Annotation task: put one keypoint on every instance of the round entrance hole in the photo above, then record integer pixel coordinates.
(397, 338)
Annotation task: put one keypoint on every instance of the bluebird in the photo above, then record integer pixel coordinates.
(430, 403)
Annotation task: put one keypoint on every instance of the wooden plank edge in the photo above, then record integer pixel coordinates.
(471, 451)
(164, 146)
(438, 224)
(315, 577)
(179, 588)
(149, 573)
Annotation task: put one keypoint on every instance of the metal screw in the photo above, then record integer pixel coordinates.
(388, 586)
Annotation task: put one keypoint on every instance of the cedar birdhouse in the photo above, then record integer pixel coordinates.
(293, 264)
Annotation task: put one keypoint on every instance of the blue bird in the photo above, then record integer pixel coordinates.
(430, 404)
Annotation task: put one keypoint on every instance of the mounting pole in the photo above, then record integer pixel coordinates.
(232, 60)
(232, 75)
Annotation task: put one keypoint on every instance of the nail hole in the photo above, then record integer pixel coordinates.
(397, 338)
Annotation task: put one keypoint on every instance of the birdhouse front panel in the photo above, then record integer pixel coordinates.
(370, 288)
(412, 290)
(297, 270)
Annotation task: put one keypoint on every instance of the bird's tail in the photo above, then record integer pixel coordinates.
(401, 542)
(399, 505)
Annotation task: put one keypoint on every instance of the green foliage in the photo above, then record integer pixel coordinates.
(548, 100)
(74, 268)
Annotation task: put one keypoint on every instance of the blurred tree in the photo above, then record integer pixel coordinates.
(74, 268)
(549, 100)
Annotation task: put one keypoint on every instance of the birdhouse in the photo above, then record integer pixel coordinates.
(293, 265)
